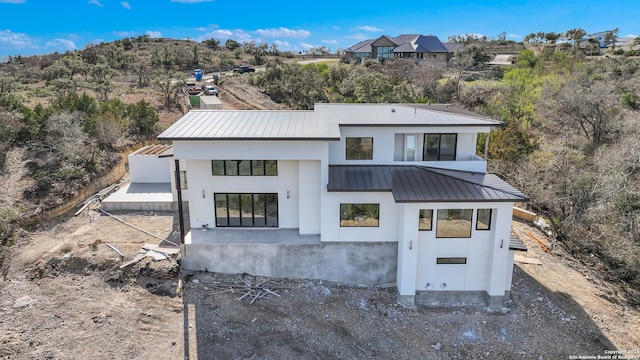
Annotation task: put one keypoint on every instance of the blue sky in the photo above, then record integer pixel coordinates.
(30, 27)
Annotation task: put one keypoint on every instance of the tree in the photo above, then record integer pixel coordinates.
(576, 36)
(552, 37)
(611, 37)
(213, 44)
(232, 44)
(101, 76)
(169, 85)
(584, 104)
(143, 119)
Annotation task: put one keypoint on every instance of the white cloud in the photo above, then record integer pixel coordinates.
(61, 43)
(11, 40)
(307, 46)
(282, 44)
(96, 2)
(283, 32)
(13, 1)
(190, 1)
(154, 34)
(367, 28)
(223, 35)
(331, 41)
(126, 5)
(125, 34)
(514, 36)
(358, 37)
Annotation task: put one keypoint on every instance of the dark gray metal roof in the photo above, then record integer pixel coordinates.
(430, 44)
(247, 124)
(516, 244)
(361, 47)
(412, 183)
(453, 47)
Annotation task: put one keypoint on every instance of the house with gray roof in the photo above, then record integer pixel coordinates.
(354, 193)
(422, 48)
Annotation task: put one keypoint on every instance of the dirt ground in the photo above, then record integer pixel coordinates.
(64, 295)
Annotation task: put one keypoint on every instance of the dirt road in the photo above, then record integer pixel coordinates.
(64, 296)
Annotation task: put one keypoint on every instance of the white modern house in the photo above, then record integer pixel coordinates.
(356, 193)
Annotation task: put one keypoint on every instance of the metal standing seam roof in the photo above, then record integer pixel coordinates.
(413, 183)
(153, 150)
(516, 244)
(323, 123)
(247, 124)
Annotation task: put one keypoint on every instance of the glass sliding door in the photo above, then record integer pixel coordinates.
(246, 210)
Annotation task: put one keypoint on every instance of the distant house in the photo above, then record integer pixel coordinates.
(423, 48)
(355, 193)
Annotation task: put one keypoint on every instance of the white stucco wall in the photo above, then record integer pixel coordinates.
(298, 183)
(388, 217)
(149, 169)
(488, 257)
(384, 143)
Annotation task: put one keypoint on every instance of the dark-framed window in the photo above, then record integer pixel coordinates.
(426, 220)
(359, 215)
(244, 167)
(483, 221)
(440, 147)
(183, 180)
(454, 223)
(246, 210)
(359, 148)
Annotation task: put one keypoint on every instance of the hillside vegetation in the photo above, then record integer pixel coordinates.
(571, 137)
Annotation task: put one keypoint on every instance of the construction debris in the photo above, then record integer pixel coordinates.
(114, 249)
(246, 290)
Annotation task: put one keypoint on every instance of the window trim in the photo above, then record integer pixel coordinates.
(351, 213)
(488, 223)
(346, 147)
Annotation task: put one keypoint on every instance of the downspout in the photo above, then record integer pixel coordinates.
(180, 210)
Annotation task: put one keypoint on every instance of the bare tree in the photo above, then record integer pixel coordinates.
(582, 104)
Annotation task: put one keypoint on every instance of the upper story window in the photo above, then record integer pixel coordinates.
(244, 167)
(359, 148)
(440, 147)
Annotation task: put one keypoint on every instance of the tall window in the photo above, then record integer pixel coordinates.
(410, 146)
(384, 52)
(426, 220)
(244, 167)
(483, 222)
(359, 215)
(454, 223)
(246, 210)
(183, 180)
(359, 148)
(440, 147)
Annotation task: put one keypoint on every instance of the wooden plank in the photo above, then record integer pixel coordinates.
(525, 260)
